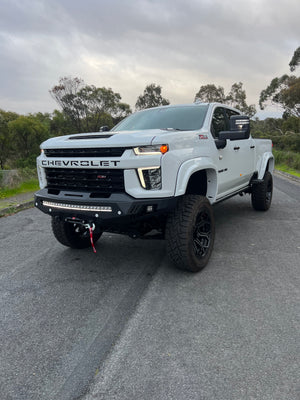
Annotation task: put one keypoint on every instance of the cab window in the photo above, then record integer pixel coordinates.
(228, 114)
(218, 122)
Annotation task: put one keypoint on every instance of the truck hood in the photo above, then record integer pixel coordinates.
(105, 139)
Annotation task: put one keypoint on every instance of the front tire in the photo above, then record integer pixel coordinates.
(190, 233)
(262, 192)
(72, 235)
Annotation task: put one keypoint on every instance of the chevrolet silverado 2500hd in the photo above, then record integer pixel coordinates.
(159, 170)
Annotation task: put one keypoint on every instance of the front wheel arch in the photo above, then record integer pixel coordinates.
(200, 166)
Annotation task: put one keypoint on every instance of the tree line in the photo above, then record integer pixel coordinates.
(85, 108)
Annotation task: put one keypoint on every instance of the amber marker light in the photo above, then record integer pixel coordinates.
(151, 150)
(164, 148)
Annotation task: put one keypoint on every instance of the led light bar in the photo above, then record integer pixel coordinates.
(77, 207)
(242, 122)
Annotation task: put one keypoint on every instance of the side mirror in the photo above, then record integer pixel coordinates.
(104, 128)
(239, 128)
(240, 123)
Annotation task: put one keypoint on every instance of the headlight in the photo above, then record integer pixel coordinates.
(150, 150)
(150, 178)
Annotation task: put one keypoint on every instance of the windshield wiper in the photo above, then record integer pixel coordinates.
(171, 129)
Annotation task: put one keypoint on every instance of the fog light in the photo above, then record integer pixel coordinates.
(150, 178)
(149, 208)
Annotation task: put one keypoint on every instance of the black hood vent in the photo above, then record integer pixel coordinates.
(90, 152)
(89, 137)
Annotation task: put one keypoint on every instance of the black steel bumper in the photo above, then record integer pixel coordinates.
(101, 210)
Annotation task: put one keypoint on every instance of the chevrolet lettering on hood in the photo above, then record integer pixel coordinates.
(79, 163)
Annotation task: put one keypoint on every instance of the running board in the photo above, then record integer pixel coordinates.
(243, 190)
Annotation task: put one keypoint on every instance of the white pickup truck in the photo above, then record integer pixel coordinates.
(159, 171)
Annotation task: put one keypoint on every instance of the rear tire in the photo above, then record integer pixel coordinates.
(262, 192)
(190, 233)
(72, 235)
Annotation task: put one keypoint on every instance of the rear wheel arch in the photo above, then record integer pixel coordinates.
(267, 164)
(270, 165)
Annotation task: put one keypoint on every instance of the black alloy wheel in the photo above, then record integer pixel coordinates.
(190, 233)
(202, 234)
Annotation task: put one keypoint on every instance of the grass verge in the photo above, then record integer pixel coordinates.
(290, 159)
(31, 185)
(287, 161)
(288, 170)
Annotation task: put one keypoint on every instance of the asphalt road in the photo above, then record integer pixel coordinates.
(124, 324)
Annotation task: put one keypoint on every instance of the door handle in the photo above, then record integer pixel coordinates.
(236, 148)
(252, 147)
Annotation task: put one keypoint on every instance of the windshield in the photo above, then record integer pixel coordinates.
(183, 118)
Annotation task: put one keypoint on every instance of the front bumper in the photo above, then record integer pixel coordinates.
(117, 207)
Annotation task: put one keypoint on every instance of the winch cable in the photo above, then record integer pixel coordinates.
(91, 229)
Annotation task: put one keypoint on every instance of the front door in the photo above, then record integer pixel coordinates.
(235, 163)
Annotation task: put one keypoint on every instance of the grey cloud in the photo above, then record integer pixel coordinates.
(29, 17)
(122, 44)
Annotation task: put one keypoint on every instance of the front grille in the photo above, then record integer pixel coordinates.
(91, 152)
(95, 181)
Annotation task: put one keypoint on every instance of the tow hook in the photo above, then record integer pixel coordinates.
(88, 226)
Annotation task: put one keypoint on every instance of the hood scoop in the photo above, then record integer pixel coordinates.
(87, 152)
(75, 137)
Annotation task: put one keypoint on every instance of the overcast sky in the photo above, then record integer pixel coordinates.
(127, 44)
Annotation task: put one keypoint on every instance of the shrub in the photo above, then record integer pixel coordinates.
(10, 178)
(288, 158)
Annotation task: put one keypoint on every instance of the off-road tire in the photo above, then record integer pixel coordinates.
(190, 233)
(72, 235)
(261, 196)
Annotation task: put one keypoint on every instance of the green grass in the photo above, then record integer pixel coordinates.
(287, 169)
(287, 161)
(28, 186)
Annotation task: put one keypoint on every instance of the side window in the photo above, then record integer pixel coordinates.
(229, 113)
(218, 122)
